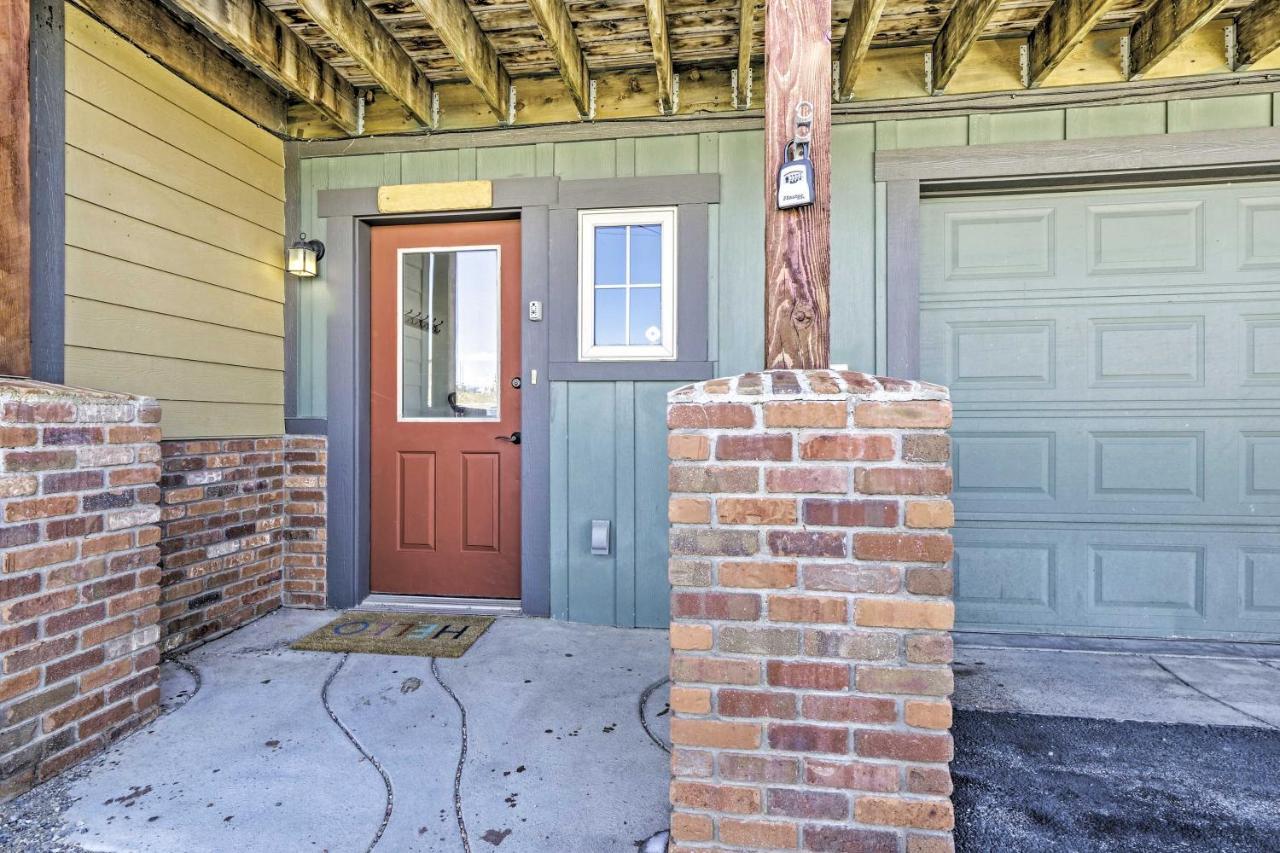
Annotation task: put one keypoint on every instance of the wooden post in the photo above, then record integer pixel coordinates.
(15, 190)
(797, 247)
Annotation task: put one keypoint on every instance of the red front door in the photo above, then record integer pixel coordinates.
(445, 455)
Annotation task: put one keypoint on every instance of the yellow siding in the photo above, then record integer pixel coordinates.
(175, 243)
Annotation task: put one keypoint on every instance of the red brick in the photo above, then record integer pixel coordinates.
(903, 613)
(716, 734)
(39, 460)
(902, 547)
(691, 827)
(16, 587)
(914, 414)
(720, 798)
(936, 514)
(849, 709)
(847, 448)
(821, 805)
(903, 481)
(800, 737)
(710, 416)
(853, 645)
(29, 608)
(929, 780)
(928, 715)
(805, 414)
(805, 543)
(21, 683)
(756, 703)
(807, 480)
(852, 577)
(759, 641)
(930, 648)
(714, 543)
(810, 676)
(70, 620)
(929, 843)
(711, 671)
(72, 711)
(855, 775)
(690, 637)
(919, 681)
(691, 762)
(850, 513)
(841, 839)
(904, 746)
(713, 479)
(756, 511)
(774, 448)
(715, 605)
(930, 581)
(133, 434)
(688, 447)
(36, 508)
(690, 700)
(105, 720)
(68, 667)
(757, 575)
(926, 448)
(895, 811)
(42, 652)
(17, 436)
(39, 555)
(759, 835)
(737, 767)
(689, 511)
(807, 608)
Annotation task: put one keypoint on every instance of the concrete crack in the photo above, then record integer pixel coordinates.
(462, 760)
(1220, 701)
(644, 721)
(192, 671)
(386, 780)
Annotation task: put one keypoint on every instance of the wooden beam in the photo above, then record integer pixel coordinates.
(458, 29)
(1166, 25)
(863, 21)
(179, 47)
(797, 242)
(746, 37)
(357, 31)
(963, 26)
(15, 189)
(557, 30)
(656, 10)
(1257, 33)
(251, 31)
(1064, 26)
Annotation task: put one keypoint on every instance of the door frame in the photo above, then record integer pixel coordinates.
(972, 170)
(350, 216)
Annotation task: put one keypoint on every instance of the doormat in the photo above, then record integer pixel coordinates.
(428, 635)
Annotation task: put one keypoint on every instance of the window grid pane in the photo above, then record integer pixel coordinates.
(638, 324)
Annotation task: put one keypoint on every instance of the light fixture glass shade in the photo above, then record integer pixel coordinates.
(304, 257)
(302, 261)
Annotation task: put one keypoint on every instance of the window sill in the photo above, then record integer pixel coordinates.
(622, 371)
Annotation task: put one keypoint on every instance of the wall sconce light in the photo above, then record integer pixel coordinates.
(304, 257)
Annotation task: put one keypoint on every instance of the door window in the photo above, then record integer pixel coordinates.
(449, 334)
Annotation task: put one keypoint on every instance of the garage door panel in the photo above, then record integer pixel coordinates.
(1114, 360)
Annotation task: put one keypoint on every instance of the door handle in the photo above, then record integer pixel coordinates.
(514, 438)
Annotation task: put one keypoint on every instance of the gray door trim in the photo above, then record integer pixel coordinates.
(48, 191)
(349, 223)
(978, 169)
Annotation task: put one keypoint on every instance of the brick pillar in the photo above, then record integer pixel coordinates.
(811, 614)
(306, 513)
(78, 576)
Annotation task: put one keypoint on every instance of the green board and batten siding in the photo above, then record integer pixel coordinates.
(175, 243)
(608, 438)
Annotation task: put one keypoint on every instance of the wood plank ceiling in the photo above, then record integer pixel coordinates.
(407, 47)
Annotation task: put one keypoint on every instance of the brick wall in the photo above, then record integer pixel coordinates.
(78, 576)
(811, 611)
(242, 532)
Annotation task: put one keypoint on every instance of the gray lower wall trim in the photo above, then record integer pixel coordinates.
(631, 371)
(525, 192)
(637, 192)
(306, 426)
(1063, 161)
(48, 191)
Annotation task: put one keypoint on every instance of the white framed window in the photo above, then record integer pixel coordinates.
(627, 284)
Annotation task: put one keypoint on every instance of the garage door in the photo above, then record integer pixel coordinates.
(1115, 362)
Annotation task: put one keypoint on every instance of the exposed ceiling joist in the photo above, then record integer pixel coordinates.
(457, 27)
(357, 31)
(252, 32)
(746, 37)
(864, 20)
(1166, 25)
(656, 11)
(557, 28)
(185, 51)
(1257, 33)
(1065, 24)
(964, 25)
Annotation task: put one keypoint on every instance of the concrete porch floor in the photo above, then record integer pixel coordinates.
(248, 757)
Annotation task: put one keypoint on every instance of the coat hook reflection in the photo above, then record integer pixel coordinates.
(419, 321)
